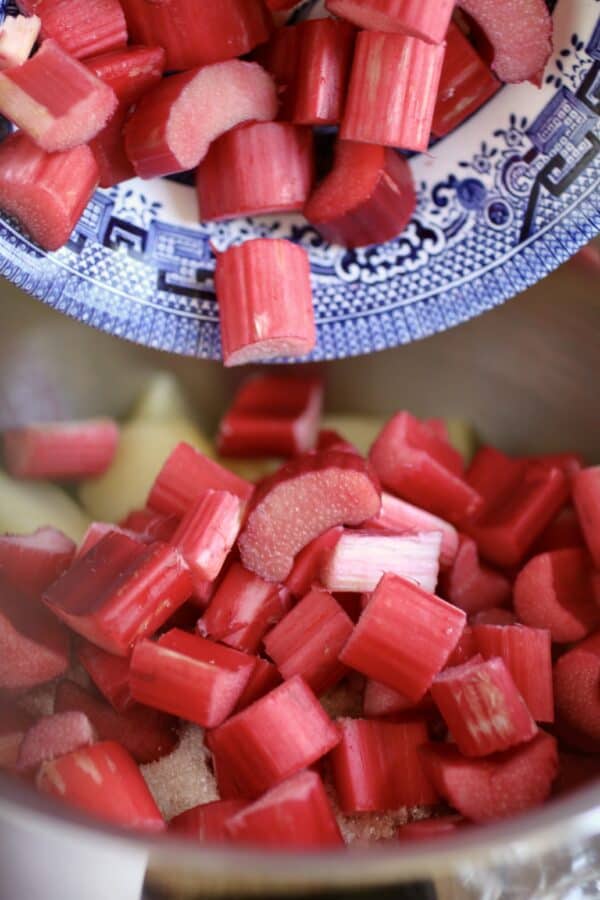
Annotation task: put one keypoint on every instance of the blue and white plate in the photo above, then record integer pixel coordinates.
(501, 202)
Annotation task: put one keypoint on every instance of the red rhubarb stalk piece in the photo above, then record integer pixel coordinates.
(465, 650)
(265, 301)
(31, 562)
(527, 654)
(34, 647)
(563, 531)
(360, 558)
(145, 733)
(310, 560)
(45, 192)
(294, 814)
(404, 637)
(225, 29)
(368, 197)
(424, 829)
(424, 19)
(497, 787)
(520, 32)
(102, 780)
(81, 29)
(265, 676)
(555, 591)
(190, 677)
(401, 517)
(377, 766)
(109, 673)
(18, 35)
(381, 700)
(466, 83)
(494, 475)
(97, 530)
(176, 121)
(482, 707)
(14, 723)
(262, 167)
(61, 450)
(415, 463)
(208, 531)
(392, 91)
(576, 680)
(55, 100)
(586, 495)
(283, 732)
(495, 615)
(278, 5)
(306, 497)
(185, 476)
(120, 591)
(206, 823)
(570, 463)
(324, 56)
(272, 415)
(53, 736)
(471, 585)
(151, 525)
(308, 640)
(243, 608)
(279, 57)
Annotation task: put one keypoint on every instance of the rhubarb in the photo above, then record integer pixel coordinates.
(81, 29)
(62, 450)
(586, 495)
(31, 562)
(425, 19)
(208, 531)
(401, 517)
(18, 35)
(576, 679)
(53, 736)
(325, 49)
(109, 673)
(473, 586)
(206, 822)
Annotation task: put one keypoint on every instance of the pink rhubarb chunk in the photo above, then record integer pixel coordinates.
(425, 19)
(54, 736)
(31, 562)
(208, 531)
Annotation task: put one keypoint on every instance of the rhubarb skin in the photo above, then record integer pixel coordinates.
(18, 35)
(368, 198)
(264, 678)
(401, 517)
(31, 562)
(404, 637)
(225, 29)
(520, 32)
(208, 531)
(175, 122)
(425, 829)
(576, 679)
(45, 192)
(265, 301)
(306, 497)
(324, 56)
(109, 673)
(55, 100)
(61, 450)
(279, 57)
(392, 92)
(81, 29)
(471, 585)
(53, 736)
(586, 496)
(424, 19)
(262, 167)
(104, 781)
(309, 562)
(206, 822)
(563, 532)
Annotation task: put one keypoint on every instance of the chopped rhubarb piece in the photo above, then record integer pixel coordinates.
(527, 655)
(471, 585)
(576, 680)
(145, 733)
(208, 531)
(482, 707)
(280, 59)
(377, 766)
(223, 30)
(104, 781)
(563, 531)
(308, 640)
(499, 786)
(206, 822)
(99, 530)
(55, 100)
(120, 591)
(554, 590)
(305, 498)
(586, 494)
(283, 732)
(176, 121)
(424, 829)
(368, 197)
(401, 517)
(14, 723)
(109, 673)
(360, 558)
(381, 700)
(263, 679)
(494, 616)
(466, 83)
(243, 608)
(31, 562)
(185, 476)
(272, 415)
(404, 637)
(324, 58)
(108, 148)
(265, 301)
(45, 192)
(309, 562)
(494, 475)
(278, 5)
(18, 35)
(81, 29)
(465, 650)
(62, 450)
(150, 525)
(424, 19)
(34, 647)
(294, 814)
(520, 33)
(53, 736)
(415, 463)
(190, 677)
(262, 167)
(392, 92)
(570, 463)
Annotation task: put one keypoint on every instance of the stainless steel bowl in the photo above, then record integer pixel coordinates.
(527, 375)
